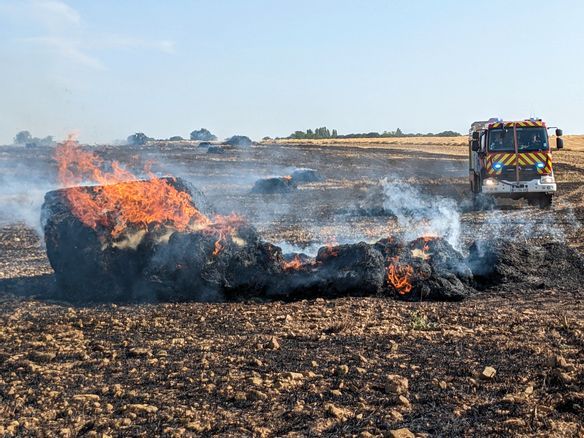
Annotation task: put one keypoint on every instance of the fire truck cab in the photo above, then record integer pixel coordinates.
(512, 159)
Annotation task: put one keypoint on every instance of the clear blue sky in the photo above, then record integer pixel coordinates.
(107, 69)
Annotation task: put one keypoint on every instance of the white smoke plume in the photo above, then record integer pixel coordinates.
(419, 214)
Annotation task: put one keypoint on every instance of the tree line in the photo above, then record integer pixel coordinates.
(203, 135)
(25, 138)
(324, 132)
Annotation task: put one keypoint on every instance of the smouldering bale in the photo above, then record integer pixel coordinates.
(193, 266)
(239, 141)
(355, 269)
(425, 269)
(509, 261)
(267, 186)
(215, 150)
(304, 175)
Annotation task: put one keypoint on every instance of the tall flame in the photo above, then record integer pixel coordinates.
(135, 203)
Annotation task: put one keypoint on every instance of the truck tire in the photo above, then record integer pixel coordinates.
(545, 200)
(476, 184)
(533, 200)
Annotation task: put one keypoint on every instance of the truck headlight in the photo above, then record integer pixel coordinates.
(547, 179)
(490, 182)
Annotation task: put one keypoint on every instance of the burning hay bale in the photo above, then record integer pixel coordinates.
(304, 175)
(107, 242)
(100, 257)
(162, 261)
(265, 186)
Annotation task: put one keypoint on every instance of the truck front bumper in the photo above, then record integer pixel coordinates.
(493, 187)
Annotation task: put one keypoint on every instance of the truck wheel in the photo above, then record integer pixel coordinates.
(533, 200)
(476, 185)
(545, 200)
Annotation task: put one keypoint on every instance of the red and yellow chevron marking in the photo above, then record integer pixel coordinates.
(523, 123)
(506, 159)
(523, 159)
(532, 158)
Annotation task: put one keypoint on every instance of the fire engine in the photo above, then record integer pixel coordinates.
(512, 159)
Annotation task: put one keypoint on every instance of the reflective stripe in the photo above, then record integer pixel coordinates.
(518, 123)
(509, 159)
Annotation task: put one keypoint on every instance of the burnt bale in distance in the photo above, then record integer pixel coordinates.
(269, 186)
(304, 175)
(239, 141)
(215, 150)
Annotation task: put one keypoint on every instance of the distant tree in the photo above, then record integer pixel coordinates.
(176, 138)
(324, 132)
(448, 134)
(23, 137)
(267, 138)
(298, 135)
(202, 135)
(26, 139)
(239, 140)
(47, 141)
(138, 139)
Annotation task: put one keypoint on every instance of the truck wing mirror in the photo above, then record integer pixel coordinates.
(559, 132)
(476, 135)
(559, 143)
(474, 145)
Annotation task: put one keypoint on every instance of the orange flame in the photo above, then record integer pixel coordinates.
(224, 226)
(294, 264)
(218, 247)
(399, 275)
(135, 203)
(287, 178)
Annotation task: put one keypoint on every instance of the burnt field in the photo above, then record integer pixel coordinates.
(506, 360)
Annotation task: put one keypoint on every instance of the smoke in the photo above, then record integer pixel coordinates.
(419, 214)
(556, 225)
(22, 191)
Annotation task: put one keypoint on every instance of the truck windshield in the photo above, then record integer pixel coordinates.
(528, 139)
(501, 140)
(531, 139)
